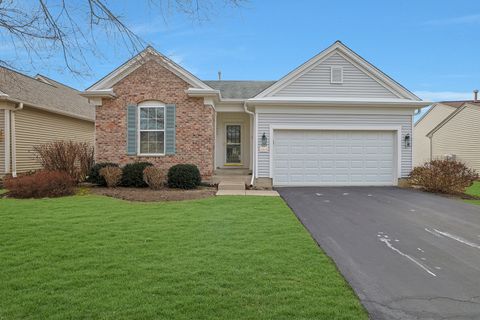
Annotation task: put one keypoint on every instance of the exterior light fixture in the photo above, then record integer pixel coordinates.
(264, 140)
(407, 140)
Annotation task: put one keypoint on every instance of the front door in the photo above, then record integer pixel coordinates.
(233, 144)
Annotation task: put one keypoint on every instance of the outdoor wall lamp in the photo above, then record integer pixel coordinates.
(264, 140)
(407, 140)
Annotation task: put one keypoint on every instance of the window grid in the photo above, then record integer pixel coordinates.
(151, 133)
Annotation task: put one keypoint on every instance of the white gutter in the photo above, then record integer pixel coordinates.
(14, 138)
(339, 102)
(252, 114)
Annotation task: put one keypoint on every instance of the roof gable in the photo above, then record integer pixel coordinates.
(361, 79)
(459, 110)
(131, 65)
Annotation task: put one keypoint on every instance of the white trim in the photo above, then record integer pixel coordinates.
(371, 70)
(332, 68)
(131, 65)
(225, 163)
(7, 140)
(337, 101)
(150, 105)
(13, 144)
(255, 144)
(397, 129)
(334, 110)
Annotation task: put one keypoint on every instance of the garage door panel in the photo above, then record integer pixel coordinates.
(313, 157)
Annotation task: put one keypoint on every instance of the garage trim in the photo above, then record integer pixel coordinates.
(396, 129)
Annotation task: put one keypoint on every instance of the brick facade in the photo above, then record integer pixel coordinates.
(194, 121)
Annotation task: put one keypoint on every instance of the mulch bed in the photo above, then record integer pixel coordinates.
(147, 195)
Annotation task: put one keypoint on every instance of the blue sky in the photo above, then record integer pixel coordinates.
(431, 47)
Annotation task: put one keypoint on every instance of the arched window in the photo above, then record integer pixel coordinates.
(151, 128)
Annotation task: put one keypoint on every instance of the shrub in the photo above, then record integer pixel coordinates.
(94, 174)
(445, 176)
(112, 175)
(184, 176)
(41, 184)
(154, 177)
(133, 174)
(74, 158)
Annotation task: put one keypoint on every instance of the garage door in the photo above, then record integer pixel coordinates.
(326, 157)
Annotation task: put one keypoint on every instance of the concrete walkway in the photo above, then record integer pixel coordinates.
(265, 193)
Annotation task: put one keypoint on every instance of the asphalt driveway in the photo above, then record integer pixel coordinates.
(407, 254)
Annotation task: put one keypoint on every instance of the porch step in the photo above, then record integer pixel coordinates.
(232, 172)
(231, 185)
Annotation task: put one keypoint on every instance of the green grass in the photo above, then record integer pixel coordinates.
(474, 190)
(92, 257)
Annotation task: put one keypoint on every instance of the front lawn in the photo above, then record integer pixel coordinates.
(92, 257)
(474, 190)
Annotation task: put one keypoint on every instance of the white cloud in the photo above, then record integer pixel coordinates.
(444, 95)
(467, 19)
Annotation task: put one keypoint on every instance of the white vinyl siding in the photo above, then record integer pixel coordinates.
(265, 120)
(316, 82)
(460, 136)
(420, 141)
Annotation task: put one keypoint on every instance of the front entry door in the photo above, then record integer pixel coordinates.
(233, 144)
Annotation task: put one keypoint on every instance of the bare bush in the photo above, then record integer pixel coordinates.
(445, 176)
(40, 184)
(74, 158)
(154, 177)
(112, 175)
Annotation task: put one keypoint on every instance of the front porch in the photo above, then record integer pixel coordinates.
(233, 141)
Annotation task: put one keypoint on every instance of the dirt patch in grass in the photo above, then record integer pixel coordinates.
(147, 195)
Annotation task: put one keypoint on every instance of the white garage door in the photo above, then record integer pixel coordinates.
(326, 157)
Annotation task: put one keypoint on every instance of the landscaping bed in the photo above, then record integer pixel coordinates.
(164, 194)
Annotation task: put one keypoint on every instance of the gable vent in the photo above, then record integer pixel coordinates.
(336, 75)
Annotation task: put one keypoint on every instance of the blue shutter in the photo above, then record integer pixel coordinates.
(132, 130)
(170, 129)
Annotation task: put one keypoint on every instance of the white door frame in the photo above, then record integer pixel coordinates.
(225, 163)
(396, 129)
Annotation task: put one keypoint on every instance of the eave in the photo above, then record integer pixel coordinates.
(104, 93)
(317, 101)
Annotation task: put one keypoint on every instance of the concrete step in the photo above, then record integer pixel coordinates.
(231, 172)
(231, 185)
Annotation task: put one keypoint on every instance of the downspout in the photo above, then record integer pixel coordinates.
(13, 137)
(254, 147)
(214, 136)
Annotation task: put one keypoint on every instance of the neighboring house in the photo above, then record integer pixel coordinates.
(34, 111)
(451, 132)
(436, 114)
(335, 120)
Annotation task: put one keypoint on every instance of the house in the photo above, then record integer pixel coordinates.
(334, 120)
(449, 129)
(38, 110)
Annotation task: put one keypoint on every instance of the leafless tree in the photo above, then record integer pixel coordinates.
(43, 28)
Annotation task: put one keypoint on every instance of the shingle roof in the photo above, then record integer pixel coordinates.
(54, 97)
(238, 89)
(459, 103)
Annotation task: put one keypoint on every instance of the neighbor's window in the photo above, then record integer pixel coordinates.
(151, 130)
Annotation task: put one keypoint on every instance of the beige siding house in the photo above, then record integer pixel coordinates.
(458, 136)
(34, 111)
(432, 118)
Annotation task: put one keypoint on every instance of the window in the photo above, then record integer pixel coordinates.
(336, 75)
(151, 133)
